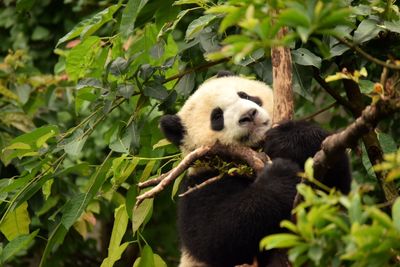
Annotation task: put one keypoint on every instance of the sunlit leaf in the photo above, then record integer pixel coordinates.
(16, 223)
(119, 228)
(140, 213)
(396, 214)
(279, 241)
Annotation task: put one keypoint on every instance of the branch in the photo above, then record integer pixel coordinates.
(254, 159)
(366, 55)
(282, 81)
(341, 100)
(203, 184)
(309, 117)
(336, 144)
(194, 69)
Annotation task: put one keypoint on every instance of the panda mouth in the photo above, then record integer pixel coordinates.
(255, 135)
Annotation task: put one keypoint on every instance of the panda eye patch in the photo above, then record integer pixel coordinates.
(255, 99)
(217, 119)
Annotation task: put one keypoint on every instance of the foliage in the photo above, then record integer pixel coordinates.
(76, 142)
(332, 229)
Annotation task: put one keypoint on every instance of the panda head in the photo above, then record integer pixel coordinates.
(228, 109)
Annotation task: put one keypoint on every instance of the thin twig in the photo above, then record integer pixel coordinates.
(319, 111)
(366, 55)
(341, 100)
(194, 69)
(203, 184)
(153, 181)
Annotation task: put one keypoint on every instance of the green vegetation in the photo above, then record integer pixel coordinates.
(84, 83)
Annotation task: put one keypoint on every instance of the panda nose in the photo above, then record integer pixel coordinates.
(248, 116)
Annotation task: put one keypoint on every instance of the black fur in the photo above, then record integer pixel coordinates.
(255, 99)
(225, 73)
(172, 128)
(217, 119)
(222, 223)
(299, 140)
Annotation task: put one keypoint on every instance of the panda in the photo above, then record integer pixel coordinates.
(221, 224)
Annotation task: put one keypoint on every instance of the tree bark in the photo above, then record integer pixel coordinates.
(282, 81)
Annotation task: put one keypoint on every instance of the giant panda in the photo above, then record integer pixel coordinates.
(221, 224)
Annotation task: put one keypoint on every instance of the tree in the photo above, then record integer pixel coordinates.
(79, 143)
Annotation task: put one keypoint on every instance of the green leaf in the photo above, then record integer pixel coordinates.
(125, 90)
(379, 216)
(146, 257)
(147, 170)
(80, 59)
(294, 18)
(387, 143)
(396, 214)
(140, 213)
(74, 145)
(355, 209)
(366, 86)
(305, 57)
(73, 209)
(232, 18)
(367, 30)
(158, 261)
(78, 204)
(119, 66)
(117, 253)
(175, 187)
(16, 223)
(36, 138)
(335, 18)
(393, 26)
(89, 26)
(155, 90)
(129, 15)
(186, 85)
(118, 231)
(25, 5)
(122, 141)
(40, 33)
(16, 245)
(315, 253)
(279, 241)
(197, 25)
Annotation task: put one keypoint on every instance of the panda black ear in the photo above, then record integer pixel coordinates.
(224, 73)
(173, 129)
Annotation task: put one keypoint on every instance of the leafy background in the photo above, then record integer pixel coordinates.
(84, 83)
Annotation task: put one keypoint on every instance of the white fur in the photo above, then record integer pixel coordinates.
(188, 261)
(222, 93)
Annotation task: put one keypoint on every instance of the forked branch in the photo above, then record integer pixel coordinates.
(254, 159)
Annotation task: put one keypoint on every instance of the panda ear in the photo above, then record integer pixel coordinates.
(173, 129)
(224, 73)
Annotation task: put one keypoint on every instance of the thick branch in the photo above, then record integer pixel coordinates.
(336, 144)
(254, 159)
